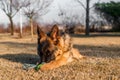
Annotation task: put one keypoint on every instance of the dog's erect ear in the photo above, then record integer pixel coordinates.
(40, 33)
(54, 32)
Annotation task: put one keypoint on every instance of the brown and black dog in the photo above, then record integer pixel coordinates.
(46, 44)
(55, 49)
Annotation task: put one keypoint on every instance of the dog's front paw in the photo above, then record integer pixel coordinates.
(44, 67)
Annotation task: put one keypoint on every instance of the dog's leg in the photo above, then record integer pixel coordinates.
(54, 64)
(76, 54)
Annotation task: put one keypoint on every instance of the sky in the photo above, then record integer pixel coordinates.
(69, 5)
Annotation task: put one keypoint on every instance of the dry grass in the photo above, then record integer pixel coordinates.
(102, 62)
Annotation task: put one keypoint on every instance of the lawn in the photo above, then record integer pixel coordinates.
(102, 62)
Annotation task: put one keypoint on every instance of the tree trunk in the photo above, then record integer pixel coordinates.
(20, 24)
(87, 18)
(11, 26)
(31, 25)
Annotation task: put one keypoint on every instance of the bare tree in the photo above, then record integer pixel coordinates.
(87, 17)
(87, 9)
(36, 8)
(69, 19)
(10, 8)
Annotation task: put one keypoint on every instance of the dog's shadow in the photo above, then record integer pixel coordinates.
(21, 58)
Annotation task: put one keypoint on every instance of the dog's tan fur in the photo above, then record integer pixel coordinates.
(64, 51)
(62, 59)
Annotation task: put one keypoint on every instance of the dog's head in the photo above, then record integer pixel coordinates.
(53, 44)
(47, 43)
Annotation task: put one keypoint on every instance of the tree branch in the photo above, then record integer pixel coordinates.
(94, 5)
(37, 6)
(81, 4)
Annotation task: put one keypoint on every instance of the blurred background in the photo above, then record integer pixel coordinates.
(72, 16)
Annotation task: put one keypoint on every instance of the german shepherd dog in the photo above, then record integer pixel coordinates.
(55, 49)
